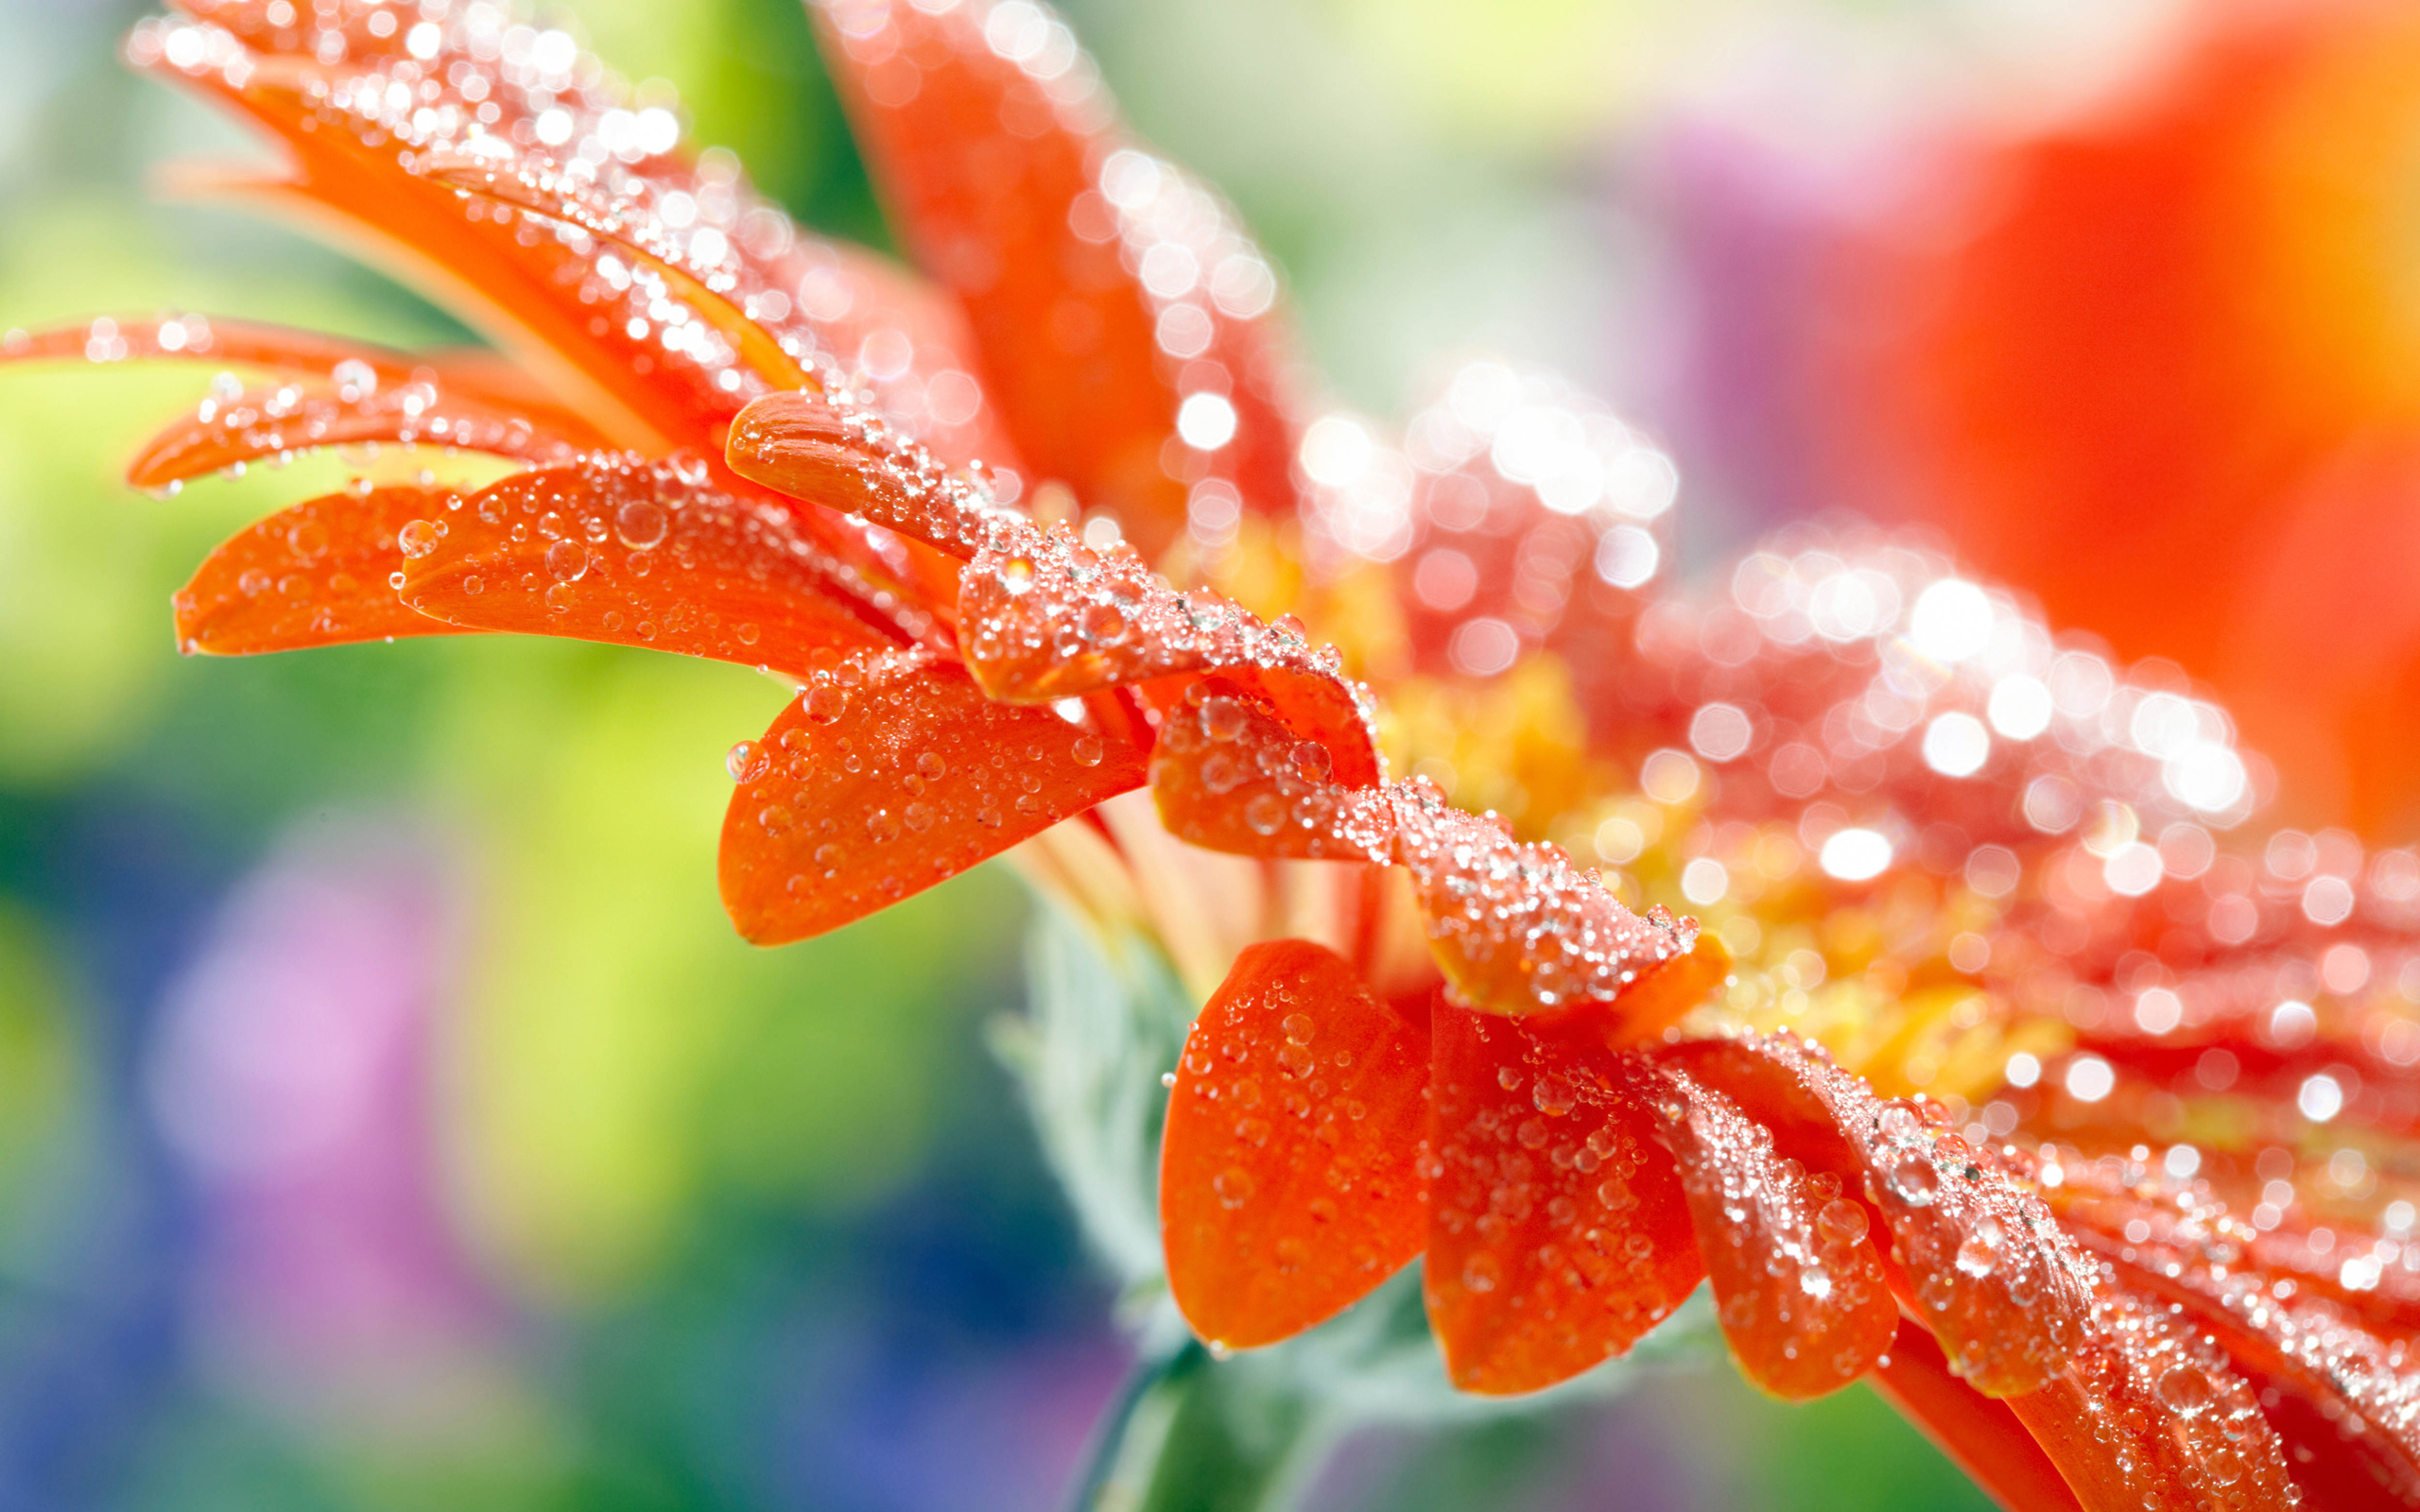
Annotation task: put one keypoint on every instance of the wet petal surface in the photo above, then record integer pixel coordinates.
(886, 774)
(315, 574)
(636, 553)
(1558, 1230)
(1288, 1173)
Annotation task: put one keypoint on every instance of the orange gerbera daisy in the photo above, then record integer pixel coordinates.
(1991, 1074)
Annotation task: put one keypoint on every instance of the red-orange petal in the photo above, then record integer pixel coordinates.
(805, 446)
(1980, 1433)
(892, 773)
(1558, 1231)
(2132, 1407)
(996, 170)
(1798, 1286)
(312, 574)
(1518, 928)
(1227, 774)
(637, 552)
(473, 376)
(1289, 1183)
(279, 422)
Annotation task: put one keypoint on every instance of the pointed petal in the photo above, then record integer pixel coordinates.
(1518, 928)
(282, 421)
(312, 574)
(1229, 775)
(1980, 1433)
(1288, 1174)
(638, 553)
(1558, 1231)
(355, 368)
(890, 774)
(1052, 617)
(2131, 1406)
(995, 164)
(1797, 1284)
(2320, 1354)
(809, 448)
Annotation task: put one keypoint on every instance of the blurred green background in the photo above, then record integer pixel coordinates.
(388, 1116)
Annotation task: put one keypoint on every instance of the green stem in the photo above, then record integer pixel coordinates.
(1191, 1433)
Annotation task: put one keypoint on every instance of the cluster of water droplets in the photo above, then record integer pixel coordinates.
(1799, 1288)
(1297, 1103)
(1560, 1233)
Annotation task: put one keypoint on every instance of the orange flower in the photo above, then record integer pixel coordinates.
(1991, 1075)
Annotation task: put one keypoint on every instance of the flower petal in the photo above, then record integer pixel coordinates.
(1797, 1284)
(1229, 774)
(1288, 1174)
(1518, 928)
(281, 422)
(1105, 288)
(809, 448)
(312, 574)
(1984, 1438)
(637, 552)
(2132, 1407)
(889, 774)
(1558, 1231)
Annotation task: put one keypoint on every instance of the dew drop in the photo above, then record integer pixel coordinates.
(641, 523)
(1913, 1180)
(568, 561)
(740, 760)
(1235, 1186)
(2186, 1389)
(1482, 1272)
(1842, 1222)
(825, 705)
(1299, 1028)
(1086, 750)
(1266, 813)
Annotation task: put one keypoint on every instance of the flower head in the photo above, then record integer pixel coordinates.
(1990, 1069)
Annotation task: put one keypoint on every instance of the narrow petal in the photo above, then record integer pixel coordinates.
(807, 447)
(2320, 1354)
(2133, 1406)
(1229, 774)
(312, 574)
(1558, 1230)
(1979, 1433)
(637, 552)
(1288, 1173)
(283, 421)
(1518, 928)
(1105, 288)
(1798, 1286)
(887, 775)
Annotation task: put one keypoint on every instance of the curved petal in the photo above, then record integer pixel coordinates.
(312, 574)
(637, 552)
(1229, 775)
(1980, 1433)
(887, 775)
(2131, 1406)
(1518, 928)
(279, 422)
(809, 447)
(1289, 1181)
(1104, 287)
(1797, 1285)
(1558, 1230)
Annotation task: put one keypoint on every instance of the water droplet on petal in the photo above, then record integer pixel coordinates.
(641, 523)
